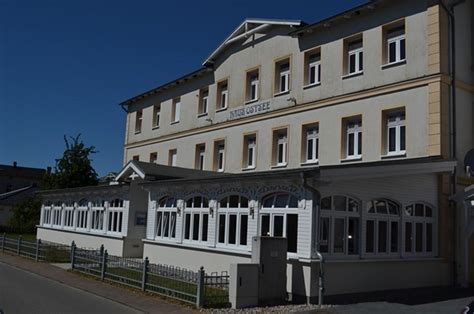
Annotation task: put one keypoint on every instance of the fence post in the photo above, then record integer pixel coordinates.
(101, 249)
(103, 265)
(200, 287)
(144, 273)
(3, 242)
(38, 244)
(18, 245)
(73, 254)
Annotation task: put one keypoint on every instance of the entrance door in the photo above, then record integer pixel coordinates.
(471, 261)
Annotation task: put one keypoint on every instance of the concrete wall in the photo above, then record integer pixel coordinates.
(114, 246)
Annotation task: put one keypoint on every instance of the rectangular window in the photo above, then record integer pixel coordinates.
(222, 228)
(205, 223)
(419, 237)
(278, 226)
(395, 132)
(394, 43)
(292, 232)
(153, 157)
(265, 227)
(250, 151)
(408, 237)
(394, 237)
(280, 147)
(311, 143)
(252, 85)
(369, 239)
(353, 138)
(187, 226)
(353, 236)
(200, 155)
(312, 67)
(176, 110)
(243, 229)
(203, 101)
(138, 121)
(282, 76)
(354, 56)
(232, 229)
(222, 95)
(324, 235)
(156, 116)
(172, 157)
(219, 156)
(339, 231)
(382, 237)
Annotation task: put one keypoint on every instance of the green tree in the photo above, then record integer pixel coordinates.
(26, 215)
(74, 169)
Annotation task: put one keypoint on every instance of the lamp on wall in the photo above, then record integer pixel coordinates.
(252, 211)
(211, 211)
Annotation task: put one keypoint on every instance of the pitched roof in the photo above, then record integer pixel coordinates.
(21, 172)
(13, 197)
(152, 172)
(248, 27)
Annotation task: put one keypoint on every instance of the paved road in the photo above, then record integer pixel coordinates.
(24, 292)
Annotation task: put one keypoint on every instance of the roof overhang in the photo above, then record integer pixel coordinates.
(130, 170)
(247, 28)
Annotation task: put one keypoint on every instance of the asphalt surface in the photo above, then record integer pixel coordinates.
(24, 292)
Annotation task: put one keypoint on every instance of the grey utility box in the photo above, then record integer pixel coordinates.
(243, 285)
(270, 254)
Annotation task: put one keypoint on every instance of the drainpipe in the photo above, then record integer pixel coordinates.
(320, 256)
(452, 109)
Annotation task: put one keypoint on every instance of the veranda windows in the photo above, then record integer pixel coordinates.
(339, 225)
(196, 219)
(69, 214)
(56, 213)
(166, 218)
(233, 221)
(97, 212)
(82, 215)
(419, 228)
(382, 227)
(116, 208)
(279, 218)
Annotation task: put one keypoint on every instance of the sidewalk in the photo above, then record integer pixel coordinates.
(134, 299)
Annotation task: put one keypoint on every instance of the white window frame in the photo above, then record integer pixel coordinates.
(220, 157)
(312, 135)
(201, 157)
(354, 127)
(166, 205)
(82, 217)
(174, 157)
(201, 211)
(98, 216)
(204, 104)
(47, 209)
(396, 121)
(68, 213)
(398, 48)
(275, 211)
(116, 208)
(424, 220)
(358, 54)
(251, 151)
(56, 214)
(314, 62)
(227, 211)
(282, 139)
(253, 86)
(224, 96)
(177, 110)
(348, 213)
(156, 116)
(283, 75)
(138, 121)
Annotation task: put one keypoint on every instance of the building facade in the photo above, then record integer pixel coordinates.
(342, 136)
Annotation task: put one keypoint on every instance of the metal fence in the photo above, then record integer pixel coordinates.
(193, 287)
(37, 250)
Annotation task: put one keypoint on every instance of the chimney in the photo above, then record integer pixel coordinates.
(14, 164)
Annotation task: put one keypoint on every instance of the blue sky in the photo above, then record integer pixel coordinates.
(65, 65)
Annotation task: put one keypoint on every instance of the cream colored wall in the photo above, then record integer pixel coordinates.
(114, 246)
(234, 63)
(414, 100)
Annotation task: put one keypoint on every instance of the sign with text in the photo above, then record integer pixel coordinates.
(249, 110)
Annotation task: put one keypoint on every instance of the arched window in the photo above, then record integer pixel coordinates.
(233, 215)
(382, 227)
(279, 218)
(196, 219)
(339, 225)
(97, 212)
(82, 214)
(166, 218)
(47, 207)
(56, 213)
(419, 228)
(115, 216)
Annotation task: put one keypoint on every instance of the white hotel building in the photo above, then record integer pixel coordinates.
(342, 136)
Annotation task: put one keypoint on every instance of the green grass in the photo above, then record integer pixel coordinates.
(26, 237)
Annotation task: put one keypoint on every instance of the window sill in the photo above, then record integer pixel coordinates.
(247, 102)
(351, 159)
(312, 85)
(281, 93)
(221, 109)
(351, 75)
(174, 122)
(249, 168)
(204, 114)
(155, 127)
(137, 132)
(393, 64)
(389, 156)
(310, 163)
(280, 166)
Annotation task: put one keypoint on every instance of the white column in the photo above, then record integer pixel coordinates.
(42, 215)
(106, 216)
(62, 215)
